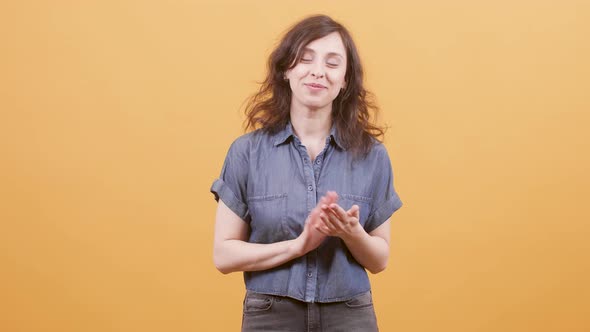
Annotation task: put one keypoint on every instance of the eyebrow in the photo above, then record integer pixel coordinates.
(307, 49)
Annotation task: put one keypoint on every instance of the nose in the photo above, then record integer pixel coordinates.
(317, 71)
(317, 74)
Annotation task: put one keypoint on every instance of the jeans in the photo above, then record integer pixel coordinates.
(264, 312)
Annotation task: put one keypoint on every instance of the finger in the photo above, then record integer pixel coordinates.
(339, 211)
(338, 224)
(323, 220)
(319, 227)
(332, 197)
(322, 229)
(324, 201)
(333, 211)
(330, 221)
(354, 211)
(330, 213)
(324, 225)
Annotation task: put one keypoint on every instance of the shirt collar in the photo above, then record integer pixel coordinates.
(283, 135)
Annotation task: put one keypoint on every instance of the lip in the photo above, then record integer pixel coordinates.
(315, 86)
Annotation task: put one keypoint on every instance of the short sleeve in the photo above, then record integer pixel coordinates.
(231, 185)
(385, 198)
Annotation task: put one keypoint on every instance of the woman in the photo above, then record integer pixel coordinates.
(304, 201)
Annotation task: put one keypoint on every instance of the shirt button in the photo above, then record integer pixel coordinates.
(309, 274)
(318, 161)
(310, 187)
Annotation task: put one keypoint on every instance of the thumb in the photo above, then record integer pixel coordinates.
(354, 211)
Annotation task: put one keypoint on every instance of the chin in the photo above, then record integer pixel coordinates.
(312, 102)
(317, 106)
(317, 103)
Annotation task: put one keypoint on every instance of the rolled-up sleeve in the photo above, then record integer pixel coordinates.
(231, 185)
(385, 198)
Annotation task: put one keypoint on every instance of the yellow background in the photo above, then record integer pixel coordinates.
(115, 117)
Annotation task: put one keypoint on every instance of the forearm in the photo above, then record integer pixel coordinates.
(231, 251)
(372, 252)
(237, 255)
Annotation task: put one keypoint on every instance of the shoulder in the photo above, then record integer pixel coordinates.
(377, 152)
(251, 141)
(245, 141)
(378, 148)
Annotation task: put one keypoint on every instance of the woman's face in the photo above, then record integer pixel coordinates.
(318, 77)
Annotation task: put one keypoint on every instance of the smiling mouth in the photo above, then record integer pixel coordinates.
(315, 86)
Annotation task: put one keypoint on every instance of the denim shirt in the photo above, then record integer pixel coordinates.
(269, 181)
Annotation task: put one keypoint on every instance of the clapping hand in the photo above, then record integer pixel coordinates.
(311, 237)
(335, 221)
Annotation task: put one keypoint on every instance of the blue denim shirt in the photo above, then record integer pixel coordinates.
(270, 182)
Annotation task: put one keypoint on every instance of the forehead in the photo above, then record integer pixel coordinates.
(331, 43)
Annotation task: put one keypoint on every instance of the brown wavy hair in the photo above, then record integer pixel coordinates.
(352, 109)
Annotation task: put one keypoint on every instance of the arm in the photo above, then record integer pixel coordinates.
(371, 250)
(232, 252)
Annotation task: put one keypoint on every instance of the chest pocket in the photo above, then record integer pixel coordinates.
(268, 215)
(346, 201)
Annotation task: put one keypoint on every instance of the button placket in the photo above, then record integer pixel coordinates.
(311, 175)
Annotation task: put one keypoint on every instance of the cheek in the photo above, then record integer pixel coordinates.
(293, 85)
(298, 71)
(337, 76)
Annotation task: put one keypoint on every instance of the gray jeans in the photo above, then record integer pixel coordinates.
(276, 313)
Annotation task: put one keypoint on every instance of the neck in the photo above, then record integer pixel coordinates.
(311, 124)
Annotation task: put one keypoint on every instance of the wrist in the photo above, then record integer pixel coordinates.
(296, 248)
(355, 234)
